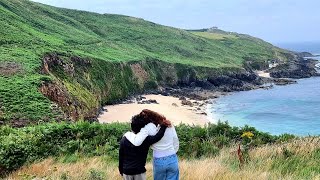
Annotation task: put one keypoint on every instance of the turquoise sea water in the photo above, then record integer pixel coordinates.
(291, 109)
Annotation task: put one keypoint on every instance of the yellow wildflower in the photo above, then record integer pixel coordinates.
(247, 134)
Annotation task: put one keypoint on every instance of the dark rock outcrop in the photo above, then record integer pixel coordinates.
(295, 69)
(204, 84)
(236, 82)
(150, 101)
(225, 80)
(304, 54)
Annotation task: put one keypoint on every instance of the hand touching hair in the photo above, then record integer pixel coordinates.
(154, 117)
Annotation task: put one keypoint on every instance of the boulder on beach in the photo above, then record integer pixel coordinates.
(186, 103)
(175, 105)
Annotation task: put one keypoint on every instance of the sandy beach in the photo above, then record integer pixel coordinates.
(263, 74)
(170, 107)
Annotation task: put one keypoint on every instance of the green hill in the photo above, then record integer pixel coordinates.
(58, 63)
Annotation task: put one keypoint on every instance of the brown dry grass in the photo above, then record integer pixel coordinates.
(224, 166)
(205, 169)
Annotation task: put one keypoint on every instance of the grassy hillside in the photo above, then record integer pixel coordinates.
(95, 53)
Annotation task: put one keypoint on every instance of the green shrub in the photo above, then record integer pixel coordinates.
(96, 175)
(150, 85)
(36, 142)
(20, 146)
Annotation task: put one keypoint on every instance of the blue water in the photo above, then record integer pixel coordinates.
(291, 109)
(312, 47)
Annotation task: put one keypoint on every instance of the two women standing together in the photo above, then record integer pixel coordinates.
(149, 129)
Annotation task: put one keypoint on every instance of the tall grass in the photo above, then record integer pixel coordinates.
(266, 162)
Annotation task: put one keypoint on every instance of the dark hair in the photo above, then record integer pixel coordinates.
(147, 116)
(138, 122)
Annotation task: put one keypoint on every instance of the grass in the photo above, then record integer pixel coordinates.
(30, 30)
(266, 162)
(26, 145)
(215, 36)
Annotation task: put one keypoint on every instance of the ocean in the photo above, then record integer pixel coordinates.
(312, 47)
(293, 109)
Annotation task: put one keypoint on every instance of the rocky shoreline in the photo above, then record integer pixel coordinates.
(197, 94)
(212, 88)
(302, 68)
(148, 77)
(197, 98)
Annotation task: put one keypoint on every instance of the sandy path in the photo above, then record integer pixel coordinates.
(177, 114)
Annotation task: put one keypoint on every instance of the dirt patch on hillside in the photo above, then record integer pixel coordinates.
(9, 68)
(139, 73)
(73, 108)
(59, 95)
(1, 119)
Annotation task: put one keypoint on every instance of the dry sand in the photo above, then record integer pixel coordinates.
(176, 113)
(263, 74)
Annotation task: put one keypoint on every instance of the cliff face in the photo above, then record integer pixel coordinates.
(80, 86)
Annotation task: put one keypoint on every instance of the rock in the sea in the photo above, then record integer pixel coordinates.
(214, 96)
(182, 98)
(282, 82)
(204, 113)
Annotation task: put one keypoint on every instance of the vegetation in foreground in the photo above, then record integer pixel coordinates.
(296, 159)
(71, 146)
(30, 31)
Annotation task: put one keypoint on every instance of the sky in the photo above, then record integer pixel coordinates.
(276, 21)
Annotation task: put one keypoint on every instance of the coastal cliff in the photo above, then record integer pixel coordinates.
(81, 86)
(59, 64)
